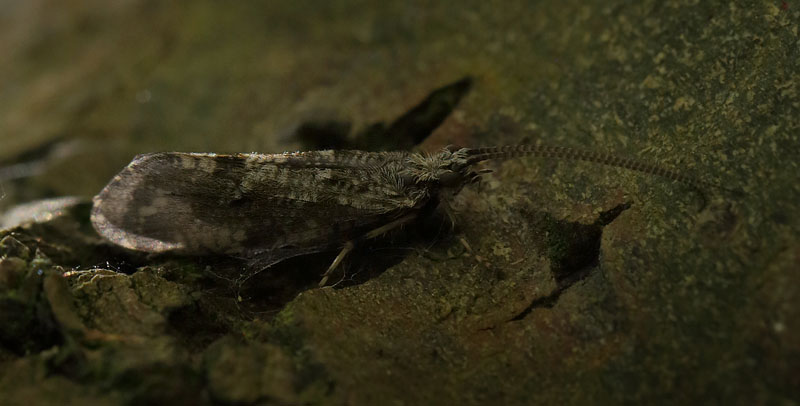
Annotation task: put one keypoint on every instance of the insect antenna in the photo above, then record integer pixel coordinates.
(476, 155)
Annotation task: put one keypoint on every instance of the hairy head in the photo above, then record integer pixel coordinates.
(447, 167)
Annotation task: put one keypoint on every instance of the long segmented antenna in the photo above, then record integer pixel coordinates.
(476, 155)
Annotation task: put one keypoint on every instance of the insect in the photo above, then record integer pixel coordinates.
(270, 207)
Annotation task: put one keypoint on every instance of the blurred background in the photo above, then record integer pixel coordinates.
(86, 85)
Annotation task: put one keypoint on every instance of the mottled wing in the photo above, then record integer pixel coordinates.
(249, 204)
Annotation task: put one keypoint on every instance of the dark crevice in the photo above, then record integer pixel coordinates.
(546, 302)
(27, 325)
(574, 252)
(324, 134)
(417, 124)
(39, 153)
(195, 328)
(404, 133)
(549, 301)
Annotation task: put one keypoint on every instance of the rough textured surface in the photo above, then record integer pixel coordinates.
(538, 296)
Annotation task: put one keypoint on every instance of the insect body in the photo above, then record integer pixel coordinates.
(268, 208)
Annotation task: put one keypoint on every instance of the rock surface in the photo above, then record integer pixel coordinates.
(561, 283)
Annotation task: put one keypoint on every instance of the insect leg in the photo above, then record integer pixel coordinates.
(348, 246)
(448, 210)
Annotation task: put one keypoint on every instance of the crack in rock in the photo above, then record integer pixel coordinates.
(574, 251)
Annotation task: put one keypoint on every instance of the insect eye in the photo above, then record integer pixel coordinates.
(450, 178)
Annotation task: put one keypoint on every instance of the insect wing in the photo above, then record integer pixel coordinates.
(241, 205)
